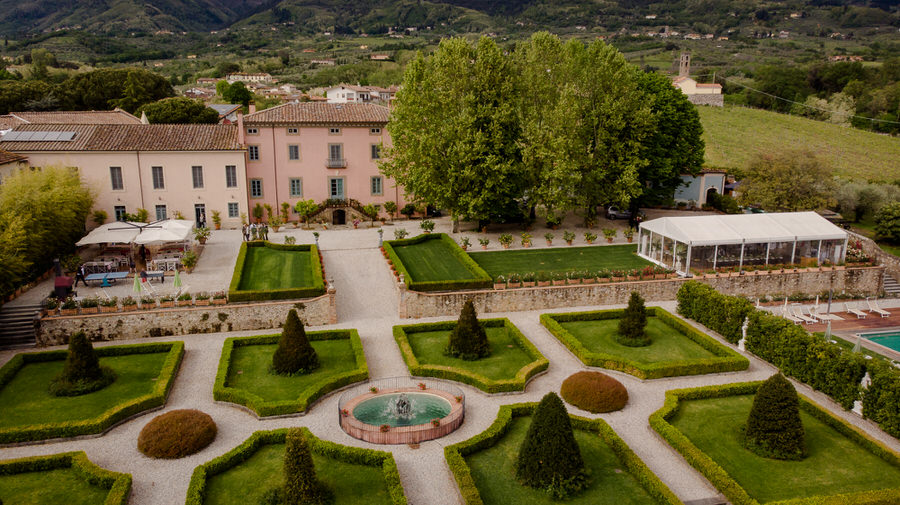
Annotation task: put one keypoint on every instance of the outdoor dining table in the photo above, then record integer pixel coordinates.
(165, 264)
(156, 273)
(106, 277)
(97, 267)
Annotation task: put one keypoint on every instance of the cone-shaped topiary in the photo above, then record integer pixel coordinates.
(634, 320)
(82, 372)
(300, 483)
(774, 429)
(549, 457)
(468, 340)
(294, 353)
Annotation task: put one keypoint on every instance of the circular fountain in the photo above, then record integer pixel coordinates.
(401, 410)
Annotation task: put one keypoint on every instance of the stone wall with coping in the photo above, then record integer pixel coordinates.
(414, 304)
(187, 320)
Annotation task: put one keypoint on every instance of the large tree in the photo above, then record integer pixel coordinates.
(103, 89)
(787, 182)
(177, 110)
(455, 132)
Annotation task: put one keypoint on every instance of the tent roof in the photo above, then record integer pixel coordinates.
(168, 230)
(750, 228)
(117, 231)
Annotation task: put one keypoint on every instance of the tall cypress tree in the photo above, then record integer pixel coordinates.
(294, 353)
(468, 340)
(82, 372)
(774, 429)
(301, 486)
(633, 322)
(549, 457)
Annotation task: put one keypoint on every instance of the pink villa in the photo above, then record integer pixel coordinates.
(318, 151)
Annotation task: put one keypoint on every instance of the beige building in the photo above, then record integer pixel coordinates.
(244, 77)
(10, 163)
(700, 93)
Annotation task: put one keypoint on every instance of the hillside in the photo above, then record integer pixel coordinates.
(734, 135)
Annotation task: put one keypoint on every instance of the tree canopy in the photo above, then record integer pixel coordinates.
(788, 182)
(179, 110)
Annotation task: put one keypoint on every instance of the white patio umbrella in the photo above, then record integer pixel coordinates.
(170, 230)
(121, 232)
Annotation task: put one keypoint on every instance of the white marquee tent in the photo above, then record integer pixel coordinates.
(701, 243)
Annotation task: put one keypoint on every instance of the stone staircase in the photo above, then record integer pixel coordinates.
(720, 500)
(17, 326)
(891, 286)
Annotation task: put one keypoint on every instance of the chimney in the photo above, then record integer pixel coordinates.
(240, 125)
(252, 107)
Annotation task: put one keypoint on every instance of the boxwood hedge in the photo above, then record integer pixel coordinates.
(483, 279)
(483, 383)
(725, 360)
(356, 455)
(118, 484)
(156, 398)
(318, 278)
(717, 475)
(308, 396)
(456, 454)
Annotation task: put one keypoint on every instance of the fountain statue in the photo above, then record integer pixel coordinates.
(403, 406)
(742, 343)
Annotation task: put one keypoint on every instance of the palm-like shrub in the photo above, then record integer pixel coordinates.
(177, 434)
(634, 320)
(774, 429)
(301, 486)
(549, 457)
(594, 392)
(82, 372)
(294, 353)
(468, 340)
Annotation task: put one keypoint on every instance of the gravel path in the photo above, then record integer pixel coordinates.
(367, 301)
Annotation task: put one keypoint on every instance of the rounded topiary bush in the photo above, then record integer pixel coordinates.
(774, 429)
(177, 434)
(594, 392)
(82, 372)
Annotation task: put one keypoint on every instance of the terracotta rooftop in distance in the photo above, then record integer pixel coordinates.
(321, 113)
(8, 157)
(138, 137)
(117, 116)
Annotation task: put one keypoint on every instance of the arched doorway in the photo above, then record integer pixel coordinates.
(709, 195)
(338, 216)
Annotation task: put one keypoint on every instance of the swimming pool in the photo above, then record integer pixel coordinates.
(889, 339)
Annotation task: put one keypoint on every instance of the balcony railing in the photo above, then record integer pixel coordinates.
(336, 163)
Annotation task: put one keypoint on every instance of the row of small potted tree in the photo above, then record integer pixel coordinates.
(532, 279)
(94, 305)
(526, 239)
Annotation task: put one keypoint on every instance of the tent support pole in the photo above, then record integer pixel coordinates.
(844, 252)
(687, 265)
(794, 250)
(768, 246)
(741, 261)
(819, 253)
(715, 256)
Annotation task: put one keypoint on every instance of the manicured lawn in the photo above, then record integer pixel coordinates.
(505, 361)
(835, 464)
(250, 364)
(26, 400)
(493, 470)
(432, 260)
(669, 344)
(249, 480)
(560, 259)
(268, 269)
(63, 485)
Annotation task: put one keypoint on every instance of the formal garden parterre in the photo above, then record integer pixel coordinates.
(68, 478)
(267, 271)
(596, 260)
(434, 262)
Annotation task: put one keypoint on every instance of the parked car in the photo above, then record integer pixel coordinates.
(613, 212)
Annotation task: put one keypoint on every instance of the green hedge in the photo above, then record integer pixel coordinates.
(481, 382)
(797, 353)
(307, 397)
(155, 398)
(717, 475)
(483, 279)
(318, 279)
(726, 360)
(356, 455)
(118, 484)
(456, 454)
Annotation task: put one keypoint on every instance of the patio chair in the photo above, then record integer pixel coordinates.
(785, 313)
(798, 313)
(826, 316)
(809, 313)
(873, 307)
(858, 313)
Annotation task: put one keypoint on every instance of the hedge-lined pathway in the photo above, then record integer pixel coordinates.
(367, 301)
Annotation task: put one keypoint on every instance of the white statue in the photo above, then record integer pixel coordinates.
(742, 344)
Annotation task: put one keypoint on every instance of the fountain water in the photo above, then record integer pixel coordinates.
(402, 406)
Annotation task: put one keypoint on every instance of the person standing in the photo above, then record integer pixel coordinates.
(245, 233)
(79, 275)
(265, 228)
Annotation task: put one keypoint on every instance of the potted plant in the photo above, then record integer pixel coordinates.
(390, 207)
(484, 242)
(217, 219)
(435, 422)
(275, 222)
(573, 277)
(528, 280)
(549, 238)
(201, 234)
(286, 212)
(400, 234)
(629, 234)
(189, 260)
(515, 280)
(465, 243)
(610, 234)
(603, 276)
(500, 282)
(423, 386)
(166, 302)
(634, 275)
(69, 307)
(617, 276)
(50, 306)
(184, 299)
(219, 298)
(505, 240)
(201, 299)
(355, 224)
(590, 237)
(558, 278)
(90, 305)
(553, 221)
(258, 213)
(588, 277)
(148, 303)
(109, 305)
(543, 278)
(129, 304)
(568, 236)
(427, 225)
(526, 239)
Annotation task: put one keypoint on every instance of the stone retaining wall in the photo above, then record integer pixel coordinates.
(187, 320)
(414, 304)
(890, 262)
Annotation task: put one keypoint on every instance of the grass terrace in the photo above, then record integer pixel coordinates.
(68, 478)
(244, 378)
(484, 466)
(513, 360)
(560, 259)
(703, 424)
(676, 348)
(356, 476)
(434, 262)
(267, 271)
(144, 375)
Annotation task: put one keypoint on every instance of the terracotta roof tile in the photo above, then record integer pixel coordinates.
(139, 137)
(321, 113)
(8, 157)
(117, 116)
(7, 122)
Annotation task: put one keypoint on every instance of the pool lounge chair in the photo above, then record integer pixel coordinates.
(797, 311)
(826, 316)
(810, 314)
(858, 313)
(873, 307)
(785, 313)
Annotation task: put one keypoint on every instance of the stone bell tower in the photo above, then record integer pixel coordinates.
(684, 65)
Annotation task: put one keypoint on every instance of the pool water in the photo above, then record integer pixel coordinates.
(381, 409)
(889, 339)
